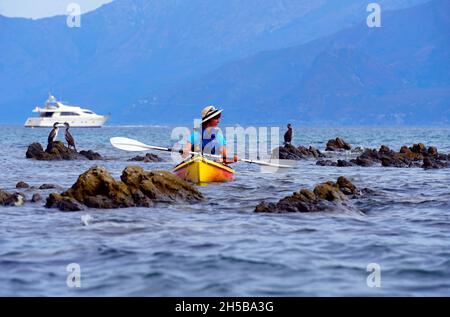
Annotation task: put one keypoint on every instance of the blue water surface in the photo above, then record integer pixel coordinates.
(220, 247)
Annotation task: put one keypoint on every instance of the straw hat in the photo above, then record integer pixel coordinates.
(209, 113)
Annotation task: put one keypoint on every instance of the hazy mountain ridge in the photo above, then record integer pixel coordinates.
(395, 74)
(128, 50)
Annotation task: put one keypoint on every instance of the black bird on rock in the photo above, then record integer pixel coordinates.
(69, 138)
(288, 135)
(53, 134)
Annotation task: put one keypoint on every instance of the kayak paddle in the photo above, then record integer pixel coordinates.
(131, 145)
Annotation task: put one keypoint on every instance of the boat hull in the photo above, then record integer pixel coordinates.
(75, 122)
(201, 170)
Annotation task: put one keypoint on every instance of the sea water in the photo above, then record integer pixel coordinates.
(221, 246)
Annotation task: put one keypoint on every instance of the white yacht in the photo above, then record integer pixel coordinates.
(55, 111)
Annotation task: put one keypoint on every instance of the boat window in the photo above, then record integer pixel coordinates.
(89, 112)
(46, 114)
(69, 114)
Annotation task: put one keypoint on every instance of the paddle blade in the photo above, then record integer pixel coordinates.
(278, 166)
(127, 144)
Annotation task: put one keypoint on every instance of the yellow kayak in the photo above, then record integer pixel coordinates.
(201, 170)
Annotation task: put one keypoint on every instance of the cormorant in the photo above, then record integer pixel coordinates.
(288, 135)
(53, 134)
(69, 138)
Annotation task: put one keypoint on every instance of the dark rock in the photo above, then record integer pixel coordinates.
(429, 163)
(370, 154)
(14, 199)
(418, 148)
(357, 149)
(406, 157)
(404, 149)
(103, 202)
(326, 163)
(384, 150)
(47, 186)
(344, 163)
(58, 151)
(325, 197)
(148, 158)
(68, 204)
(22, 185)
(338, 144)
(369, 191)
(96, 188)
(329, 191)
(62, 203)
(35, 151)
(91, 155)
(36, 197)
(393, 162)
(141, 200)
(432, 151)
(361, 161)
(264, 207)
(290, 152)
(159, 185)
(346, 186)
(315, 152)
(52, 200)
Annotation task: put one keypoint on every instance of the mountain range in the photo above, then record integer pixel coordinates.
(161, 61)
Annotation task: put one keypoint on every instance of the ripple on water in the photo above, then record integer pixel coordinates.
(221, 247)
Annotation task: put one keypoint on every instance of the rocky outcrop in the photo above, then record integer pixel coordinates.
(22, 185)
(325, 197)
(11, 199)
(338, 144)
(290, 152)
(91, 155)
(96, 188)
(338, 163)
(47, 186)
(58, 151)
(417, 155)
(36, 197)
(148, 158)
(63, 203)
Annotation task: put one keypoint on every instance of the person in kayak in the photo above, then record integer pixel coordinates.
(210, 138)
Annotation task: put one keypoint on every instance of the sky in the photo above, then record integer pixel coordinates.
(44, 8)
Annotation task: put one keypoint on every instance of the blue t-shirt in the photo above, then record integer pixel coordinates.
(212, 140)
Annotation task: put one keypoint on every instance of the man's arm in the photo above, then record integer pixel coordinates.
(225, 160)
(186, 150)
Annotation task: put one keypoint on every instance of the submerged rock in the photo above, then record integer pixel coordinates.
(338, 144)
(22, 185)
(47, 186)
(325, 197)
(36, 197)
(91, 155)
(96, 188)
(11, 199)
(429, 163)
(326, 163)
(344, 163)
(58, 151)
(290, 152)
(148, 158)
